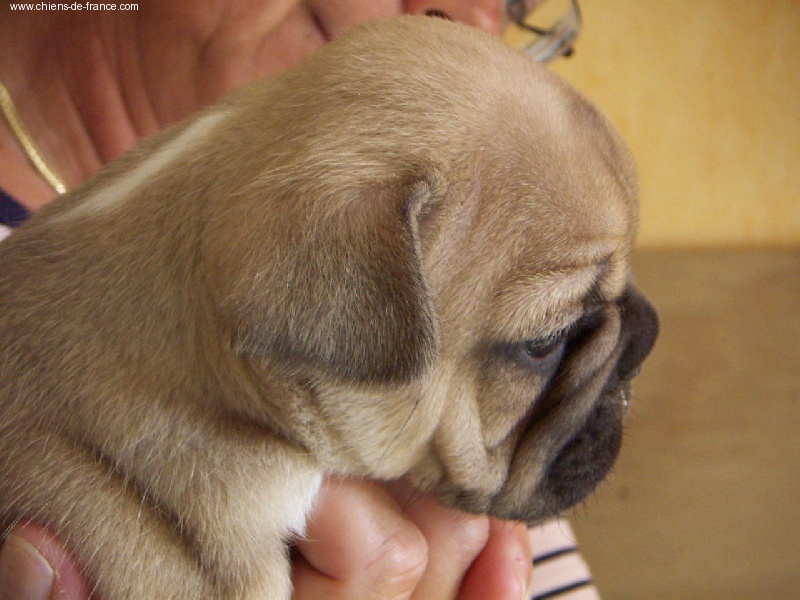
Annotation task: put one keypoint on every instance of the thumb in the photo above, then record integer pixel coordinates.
(34, 566)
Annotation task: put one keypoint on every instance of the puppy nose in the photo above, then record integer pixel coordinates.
(640, 327)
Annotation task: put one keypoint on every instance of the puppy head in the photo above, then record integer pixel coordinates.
(431, 238)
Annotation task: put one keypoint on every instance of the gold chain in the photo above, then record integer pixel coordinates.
(25, 141)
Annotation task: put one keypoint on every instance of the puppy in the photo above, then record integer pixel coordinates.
(406, 258)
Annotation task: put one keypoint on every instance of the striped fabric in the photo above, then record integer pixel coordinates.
(559, 571)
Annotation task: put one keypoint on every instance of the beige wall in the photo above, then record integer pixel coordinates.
(707, 93)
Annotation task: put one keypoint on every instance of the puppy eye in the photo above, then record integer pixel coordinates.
(540, 349)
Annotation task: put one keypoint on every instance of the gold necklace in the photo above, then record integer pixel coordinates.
(26, 143)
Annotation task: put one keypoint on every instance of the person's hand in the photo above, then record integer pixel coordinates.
(364, 540)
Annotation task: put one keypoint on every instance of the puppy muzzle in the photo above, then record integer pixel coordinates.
(543, 482)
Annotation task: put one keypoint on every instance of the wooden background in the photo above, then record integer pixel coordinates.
(704, 502)
(707, 93)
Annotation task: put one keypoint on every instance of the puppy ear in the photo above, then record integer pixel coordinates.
(335, 283)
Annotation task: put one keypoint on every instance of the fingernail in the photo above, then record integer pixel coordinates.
(24, 573)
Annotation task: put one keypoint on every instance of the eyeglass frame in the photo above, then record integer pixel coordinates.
(555, 41)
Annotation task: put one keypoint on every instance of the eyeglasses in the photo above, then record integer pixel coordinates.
(545, 30)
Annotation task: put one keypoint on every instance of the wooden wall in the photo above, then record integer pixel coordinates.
(707, 93)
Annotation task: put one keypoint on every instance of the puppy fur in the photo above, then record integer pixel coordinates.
(339, 270)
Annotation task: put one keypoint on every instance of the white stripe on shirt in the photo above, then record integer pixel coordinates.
(559, 571)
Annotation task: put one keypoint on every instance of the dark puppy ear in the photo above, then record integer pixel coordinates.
(335, 284)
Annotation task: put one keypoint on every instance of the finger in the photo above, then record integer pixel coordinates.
(504, 569)
(34, 566)
(358, 545)
(24, 573)
(454, 540)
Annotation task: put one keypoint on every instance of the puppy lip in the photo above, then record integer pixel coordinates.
(575, 470)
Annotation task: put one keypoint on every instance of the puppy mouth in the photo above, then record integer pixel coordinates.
(585, 460)
(534, 494)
